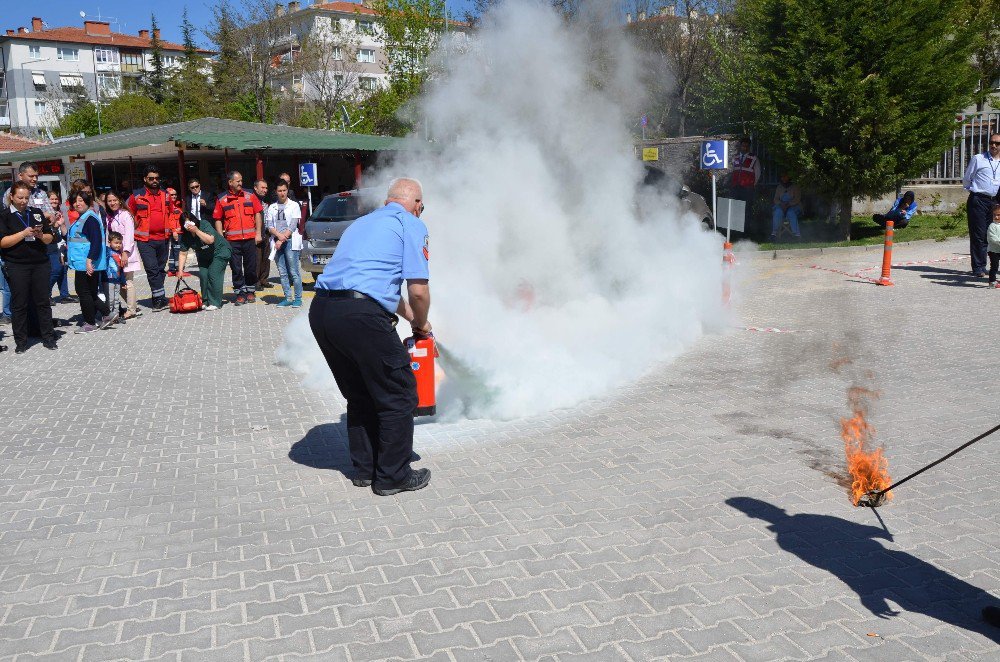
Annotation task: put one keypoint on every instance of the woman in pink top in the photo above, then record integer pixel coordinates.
(120, 220)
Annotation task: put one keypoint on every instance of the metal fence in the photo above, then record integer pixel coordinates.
(971, 137)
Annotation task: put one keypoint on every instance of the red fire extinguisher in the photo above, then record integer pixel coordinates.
(422, 353)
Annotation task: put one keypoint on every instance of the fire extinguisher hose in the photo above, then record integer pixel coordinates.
(876, 498)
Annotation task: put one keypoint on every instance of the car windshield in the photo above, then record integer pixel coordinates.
(337, 208)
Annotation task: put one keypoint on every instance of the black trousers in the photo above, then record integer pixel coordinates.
(154, 257)
(29, 286)
(980, 212)
(244, 265)
(372, 369)
(263, 263)
(747, 194)
(87, 288)
(898, 220)
(994, 263)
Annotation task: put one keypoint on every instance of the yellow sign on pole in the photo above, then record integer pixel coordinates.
(650, 153)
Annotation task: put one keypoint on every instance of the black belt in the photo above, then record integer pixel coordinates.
(342, 294)
(985, 195)
(354, 294)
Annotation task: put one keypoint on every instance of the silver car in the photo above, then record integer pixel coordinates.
(326, 225)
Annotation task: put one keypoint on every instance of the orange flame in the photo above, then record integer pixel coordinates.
(868, 467)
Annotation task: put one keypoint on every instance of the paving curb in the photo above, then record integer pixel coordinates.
(798, 253)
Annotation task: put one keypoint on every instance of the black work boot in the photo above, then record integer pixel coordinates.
(417, 480)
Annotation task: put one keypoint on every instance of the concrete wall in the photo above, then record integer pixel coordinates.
(931, 199)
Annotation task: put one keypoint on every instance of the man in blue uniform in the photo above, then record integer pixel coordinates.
(353, 318)
(982, 181)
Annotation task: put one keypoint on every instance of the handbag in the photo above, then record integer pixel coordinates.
(185, 300)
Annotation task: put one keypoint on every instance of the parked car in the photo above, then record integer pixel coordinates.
(690, 200)
(326, 225)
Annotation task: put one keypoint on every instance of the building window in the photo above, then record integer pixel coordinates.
(71, 82)
(68, 54)
(168, 60)
(366, 55)
(35, 52)
(109, 84)
(366, 27)
(132, 63)
(4, 113)
(40, 109)
(38, 79)
(337, 53)
(367, 83)
(106, 55)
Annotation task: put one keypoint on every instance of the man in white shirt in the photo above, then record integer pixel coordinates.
(981, 180)
(281, 220)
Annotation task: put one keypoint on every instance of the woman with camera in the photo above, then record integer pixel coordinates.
(87, 255)
(24, 238)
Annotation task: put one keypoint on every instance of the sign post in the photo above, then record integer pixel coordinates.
(715, 156)
(308, 178)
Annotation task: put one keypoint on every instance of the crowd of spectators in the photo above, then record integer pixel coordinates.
(106, 238)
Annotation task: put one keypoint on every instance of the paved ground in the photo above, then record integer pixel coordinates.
(168, 493)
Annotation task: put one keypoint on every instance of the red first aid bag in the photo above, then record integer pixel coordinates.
(185, 300)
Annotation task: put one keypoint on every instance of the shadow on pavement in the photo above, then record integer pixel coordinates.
(851, 552)
(945, 276)
(325, 447)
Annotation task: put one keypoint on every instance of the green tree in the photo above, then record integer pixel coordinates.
(851, 95)
(127, 111)
(189, 87)
(154, 80)
(81, 119)
(410, 30)
(984, 18)
(229, 71)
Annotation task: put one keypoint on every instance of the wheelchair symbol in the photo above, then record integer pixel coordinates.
(710, 158)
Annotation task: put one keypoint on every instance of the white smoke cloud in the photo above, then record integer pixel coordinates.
(553, 281)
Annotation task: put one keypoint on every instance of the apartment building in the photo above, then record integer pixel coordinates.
(43, 69)
(357, 51)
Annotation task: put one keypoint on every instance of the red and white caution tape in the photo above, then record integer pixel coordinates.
(768, 329)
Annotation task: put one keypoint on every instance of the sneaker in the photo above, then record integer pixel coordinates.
(172, 274)
(285, 303)
(160, 304)
(86, 328)
(108, 321)
(240, 299)
(417, 480)
(50, 344)
(297, 303)
(251, 297)
(210, 307)
(4, 320)
(20, 349)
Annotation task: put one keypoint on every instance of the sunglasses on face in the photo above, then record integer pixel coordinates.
(995, 142)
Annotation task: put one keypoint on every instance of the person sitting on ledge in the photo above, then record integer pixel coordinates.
(901, 212)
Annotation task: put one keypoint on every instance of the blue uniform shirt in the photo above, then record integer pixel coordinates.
(982, 174)
(377, 253)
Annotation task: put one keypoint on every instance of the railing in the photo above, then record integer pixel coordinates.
(971, 137)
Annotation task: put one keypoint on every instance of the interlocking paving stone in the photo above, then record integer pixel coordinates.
(170, 516)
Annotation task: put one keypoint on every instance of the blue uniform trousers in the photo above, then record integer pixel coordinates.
(372, 369)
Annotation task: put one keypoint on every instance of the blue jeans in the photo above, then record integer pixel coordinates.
(791, 215)
(288, 267)
(58, 275)
(4, 291)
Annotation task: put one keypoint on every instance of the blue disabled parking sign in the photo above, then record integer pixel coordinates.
(714, 154)
(307, 174)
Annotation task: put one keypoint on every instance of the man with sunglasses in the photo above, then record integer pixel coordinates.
(981, 180)
(154, 225)
(353, 318)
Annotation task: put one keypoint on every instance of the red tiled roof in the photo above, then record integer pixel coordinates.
(11, 142)
(347, 7)
(81, 36)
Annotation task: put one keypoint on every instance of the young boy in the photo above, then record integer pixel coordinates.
(993, 246)
(115, 276)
